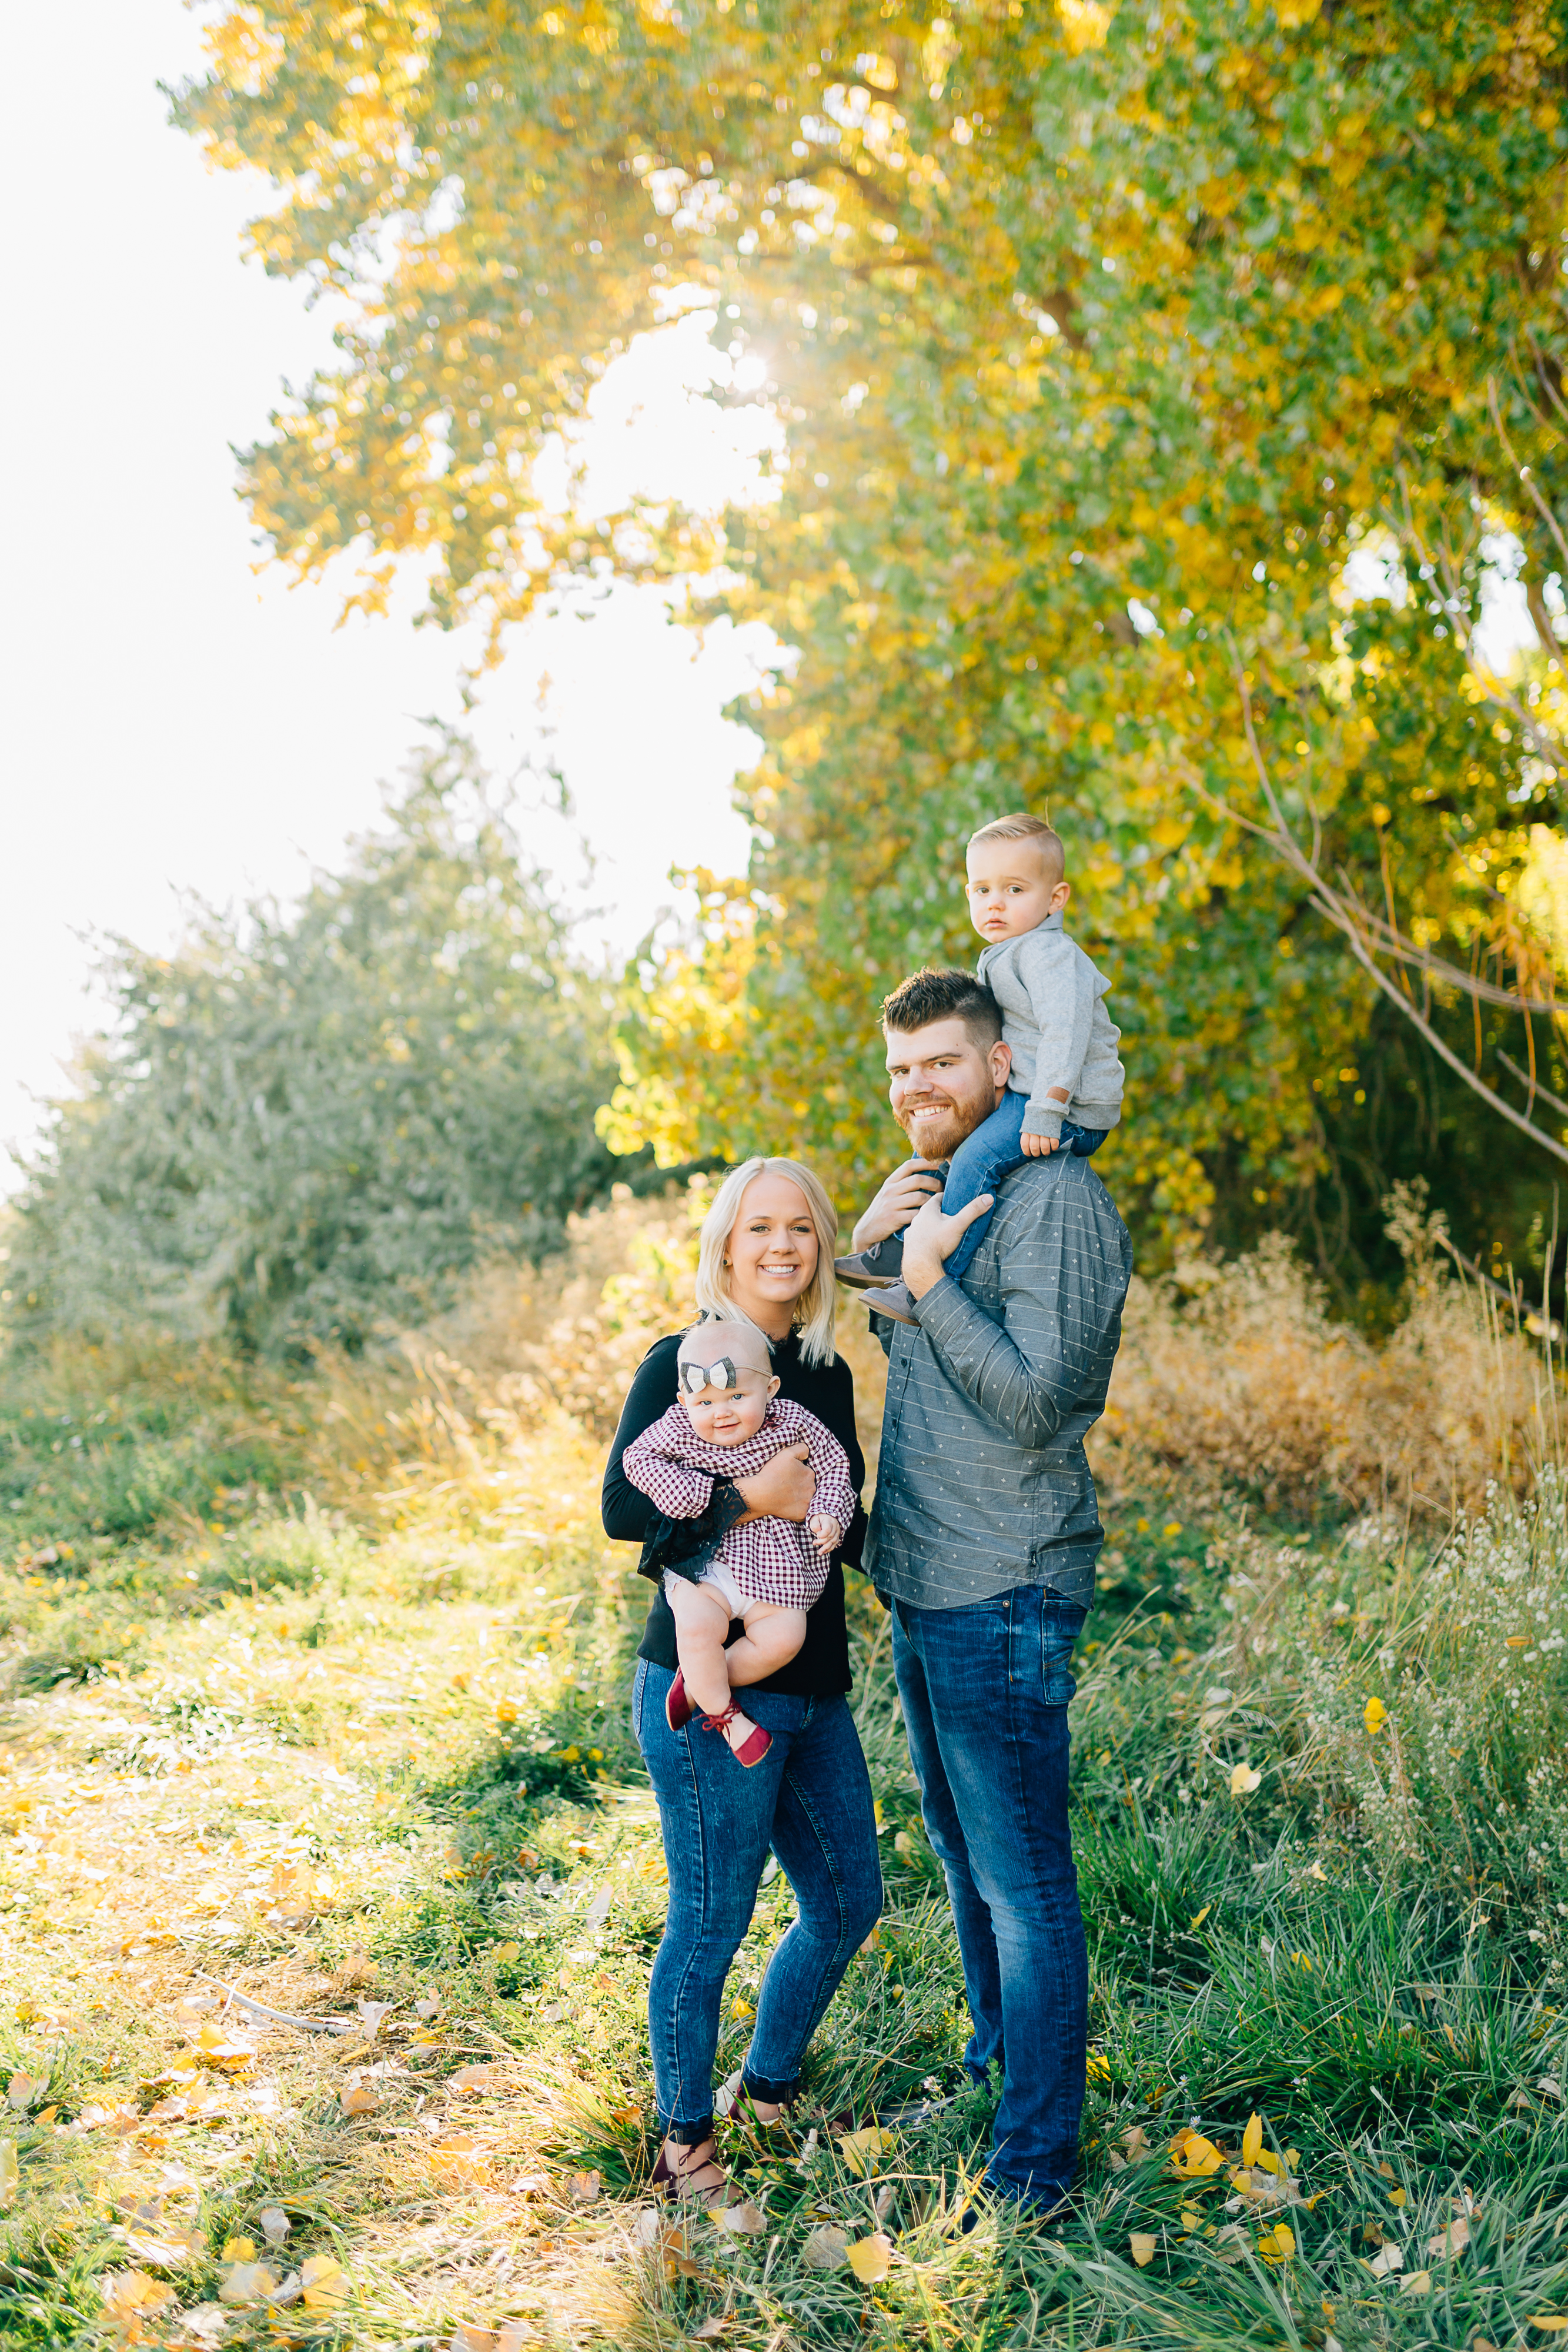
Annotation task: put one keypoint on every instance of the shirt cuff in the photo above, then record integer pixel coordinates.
(1038, 1119)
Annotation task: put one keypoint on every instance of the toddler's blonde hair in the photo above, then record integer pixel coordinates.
(1022, 828)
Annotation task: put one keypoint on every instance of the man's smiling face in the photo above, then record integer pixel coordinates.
(943, 1083)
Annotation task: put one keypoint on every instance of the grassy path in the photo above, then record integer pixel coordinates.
(373, 1767)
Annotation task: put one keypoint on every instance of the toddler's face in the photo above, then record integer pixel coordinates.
(1010, 888)
(729, 1414)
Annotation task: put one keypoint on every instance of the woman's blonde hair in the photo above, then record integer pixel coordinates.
(815, 1307)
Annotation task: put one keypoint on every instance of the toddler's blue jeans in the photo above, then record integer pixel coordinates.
(993, 1151)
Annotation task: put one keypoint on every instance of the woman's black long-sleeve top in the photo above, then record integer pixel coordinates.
(821, 1664)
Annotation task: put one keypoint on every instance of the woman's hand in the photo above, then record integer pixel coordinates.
(783, 1488)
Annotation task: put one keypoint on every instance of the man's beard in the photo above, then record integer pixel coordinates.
(938, 1138)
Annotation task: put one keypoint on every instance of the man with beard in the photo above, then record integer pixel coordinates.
(984, 1539)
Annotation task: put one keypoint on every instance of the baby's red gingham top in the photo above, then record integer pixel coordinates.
(770, 1558)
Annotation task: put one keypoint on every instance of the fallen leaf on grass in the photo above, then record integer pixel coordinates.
(871, 2258)
(160, 2254)
(10, 2171)
(130, 2295)
(1195, 2157)
(1252, 2139)
(1243, 1780)
(710, 2331)
(1375, 1714)
(469, 2336)
(1134, 2143)
(1451, 2240)
(274, 2225)
(373, 2012)
(1143, 2248)
(860, 2149)
(460, 2161)
(469, 2081)
(584, 2188)
(1416, 2283)
(428, 2007)
(506, 1952)
(741, 2220)
(216, 2048)
(1278, 2244)
(1387, 2260)
(512, 2334)
(359, 2099)
(357, 1970)
(26, 2090)
(248, 2282)
(1551, 2326)
(825, 2250)
(324, 2282)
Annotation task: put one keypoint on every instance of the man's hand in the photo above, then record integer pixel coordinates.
(931, 1240)
(783, 1488)
(1036, 1147)
(905, 1192)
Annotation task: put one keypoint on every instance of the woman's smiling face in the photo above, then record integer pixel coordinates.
(772, 1252)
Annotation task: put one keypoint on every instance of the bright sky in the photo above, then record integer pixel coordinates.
(175, 724)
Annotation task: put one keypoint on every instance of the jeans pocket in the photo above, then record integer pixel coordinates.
(1061, 1623)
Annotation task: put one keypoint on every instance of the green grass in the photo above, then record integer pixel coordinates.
(335, 1748)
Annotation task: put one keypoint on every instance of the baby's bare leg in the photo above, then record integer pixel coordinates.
(702, 1621)
(772, 1637)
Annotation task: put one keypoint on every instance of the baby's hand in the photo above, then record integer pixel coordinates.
(1035, 1147)
(827, 1532)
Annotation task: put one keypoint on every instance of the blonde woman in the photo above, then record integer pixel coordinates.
(767, 1253)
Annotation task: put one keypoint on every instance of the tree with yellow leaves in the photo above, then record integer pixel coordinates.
(1137, 364)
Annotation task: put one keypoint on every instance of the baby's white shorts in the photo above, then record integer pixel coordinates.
(722, 1582)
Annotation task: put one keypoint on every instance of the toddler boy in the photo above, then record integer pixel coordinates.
(1064, 1089)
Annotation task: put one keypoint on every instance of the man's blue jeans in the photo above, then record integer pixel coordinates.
(985, 1691)
(991, 1152)
(810, 1800)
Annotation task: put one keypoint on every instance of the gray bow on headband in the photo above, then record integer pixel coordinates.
(722, 1375)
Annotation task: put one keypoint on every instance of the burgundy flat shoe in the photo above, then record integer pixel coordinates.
(752, 1749)
(678, 1709)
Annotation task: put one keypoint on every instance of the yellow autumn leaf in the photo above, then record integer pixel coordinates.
(238, 2249)
(247, 2282)
(324, 2282)
(1243, 1780)
(26, 2090)
(509, 1951)
(1195, 2157)
(742, 2220)
(860, 2149)
(469, 2079)
(127, 2293)
(870, 2258)
(1097, 2066)
(1375, 1714)
(1278, 2244)
(1252, 2139)
(359, 2099)
(1143, 2248)
(1550, 2326)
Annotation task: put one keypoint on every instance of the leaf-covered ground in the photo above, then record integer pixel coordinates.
(364, 1759)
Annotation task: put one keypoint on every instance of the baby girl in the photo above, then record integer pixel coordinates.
(767, 1571)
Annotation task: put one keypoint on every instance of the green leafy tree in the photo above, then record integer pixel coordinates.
(1107, 338)
(310, 1123)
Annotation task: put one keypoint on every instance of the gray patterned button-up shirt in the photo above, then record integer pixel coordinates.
(983, 1482)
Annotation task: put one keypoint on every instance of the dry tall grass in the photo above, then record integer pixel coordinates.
(1234, 1378)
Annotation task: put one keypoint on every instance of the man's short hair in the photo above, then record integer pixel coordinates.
(945, 994)
(1022, 828)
